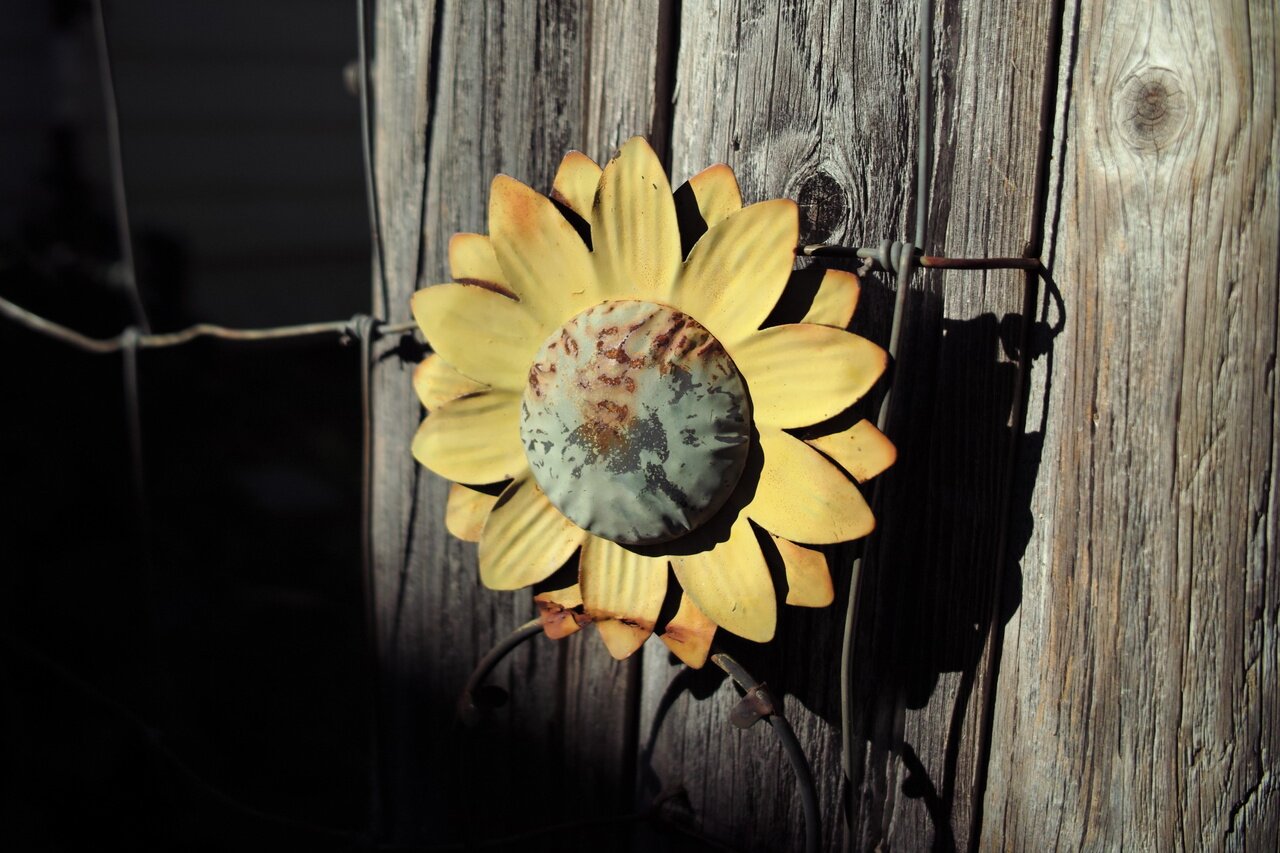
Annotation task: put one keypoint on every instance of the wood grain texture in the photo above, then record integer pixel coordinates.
(1138, 705)
(815, 102)
(1132, 548)
(465, 91)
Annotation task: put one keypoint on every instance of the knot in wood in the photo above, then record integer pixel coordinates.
(1151, 108)
(824, 207)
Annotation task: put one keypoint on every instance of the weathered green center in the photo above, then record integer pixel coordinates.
(636, 422)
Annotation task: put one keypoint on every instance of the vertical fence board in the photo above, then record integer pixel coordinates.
(1139, 666)
(1139, 706)
(465, 91)
(816, 103)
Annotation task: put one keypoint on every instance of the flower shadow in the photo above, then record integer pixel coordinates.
(941, 576)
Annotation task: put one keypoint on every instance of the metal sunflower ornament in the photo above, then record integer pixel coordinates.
(604, 372)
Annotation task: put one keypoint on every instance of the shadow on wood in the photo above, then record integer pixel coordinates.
(942, 578)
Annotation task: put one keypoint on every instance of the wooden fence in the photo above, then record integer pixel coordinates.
(1068, 631)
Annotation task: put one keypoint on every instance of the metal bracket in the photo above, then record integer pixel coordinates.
(754, 706)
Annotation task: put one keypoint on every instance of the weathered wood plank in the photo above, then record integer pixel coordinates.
(816, 102)
(1138, 705)
(467, 90)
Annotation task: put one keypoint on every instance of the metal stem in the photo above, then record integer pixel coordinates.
(790, 745)
(902, 258)
(467, 710)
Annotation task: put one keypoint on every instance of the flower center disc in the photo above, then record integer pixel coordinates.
(636, 422)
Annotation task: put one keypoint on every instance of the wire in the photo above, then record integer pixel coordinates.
(888, 255)
(366, 148)
(924, 73)
(467, 709)
(903, 258)
(366, 331)
(124, 234)
(117, 343)
(790, 745)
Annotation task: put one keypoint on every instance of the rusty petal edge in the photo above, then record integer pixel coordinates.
(561, 612)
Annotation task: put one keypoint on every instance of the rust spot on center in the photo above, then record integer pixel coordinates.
(635, 421)
(606, 425)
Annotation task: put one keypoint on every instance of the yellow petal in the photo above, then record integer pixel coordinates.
(803, 497)
(561, 611)
(525, 539)
(739, 268)
(633, 225)
(808, 578)
(436, 382)
(546, 263)
(731, 584)
(622, 592)
(472, 261)
(835, 301)
(483, 334)
(466, 511)
(473, 439)
(716, 190)
(688, 635)
(575, 183)
(801, 374)
(862, 450)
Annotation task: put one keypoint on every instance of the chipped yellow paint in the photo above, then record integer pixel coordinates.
(689, 633)
(634, 233)
(716, 191)
(622, 593)
(737, 271)
(808, 577)
(466, 511)
(803, 497)
(473, 439)
(802, 374)
(836, 300)
(472, 261)
(546, 263)
(481, 333)
(731, 584)
(437, 382)
(561, 612)
(862, 450)
(525, 538)
(575, 183)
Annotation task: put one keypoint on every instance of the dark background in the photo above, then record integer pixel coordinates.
(167, 675)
